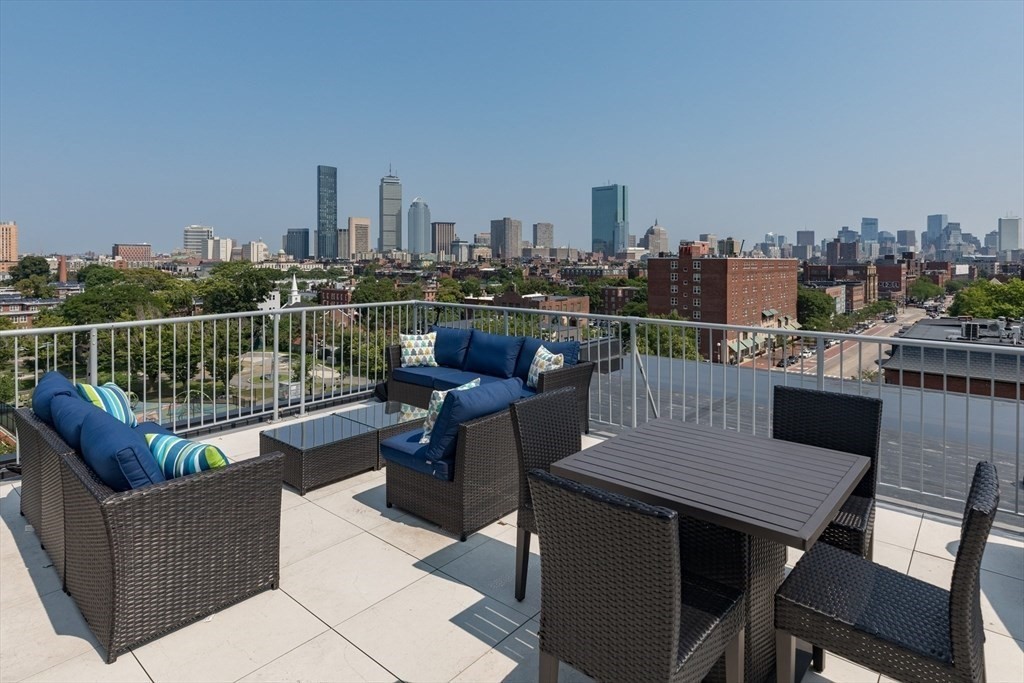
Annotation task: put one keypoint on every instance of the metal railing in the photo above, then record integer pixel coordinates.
(206, 373)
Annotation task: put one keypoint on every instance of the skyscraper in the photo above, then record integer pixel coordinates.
(1011, 235)
(296, 243)
(195, 238)
(543, 235)
(358, 235)
(441, 237)
(906, 238)
(326, 213)
(8, 242)
(656, 239)
(609, 218)
(419, 227)
(805, 238)
(869, 229)
(390, 214)
(507, 238)
(936, 223)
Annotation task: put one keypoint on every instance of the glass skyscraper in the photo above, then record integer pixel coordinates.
(869, 229)
(296, 243)
(609, 218)
(419, 227)
(326, 213)
(390, 214)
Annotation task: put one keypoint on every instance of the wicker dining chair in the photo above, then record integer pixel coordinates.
(615, 603)
(546, 429)
(887, 621)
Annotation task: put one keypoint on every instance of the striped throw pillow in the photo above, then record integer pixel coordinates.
(543, 361)
(177, 456)
(111, 399)
(418, 350)
(434, 407)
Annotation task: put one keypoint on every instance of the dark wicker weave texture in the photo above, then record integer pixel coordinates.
(42, 501)
(890, 622)
(309, 468)
(615, 602)
(484, 488)
(546, 430)
(577, 376)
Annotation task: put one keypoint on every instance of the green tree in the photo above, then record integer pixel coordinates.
(449, 291)
(37, 286)
(111, 303)
(954, 286)
(94, 275)
(29, 266)
(814, 307)
(923, 288)
(985, 299)
(235, 286)
(370, 290)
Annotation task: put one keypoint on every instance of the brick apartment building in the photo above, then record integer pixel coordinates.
(134, 255)
(614, 298)
(861, 272)
(543, 302)
(754, 292)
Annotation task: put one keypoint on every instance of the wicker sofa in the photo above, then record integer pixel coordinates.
(133, 576)
(415, 385)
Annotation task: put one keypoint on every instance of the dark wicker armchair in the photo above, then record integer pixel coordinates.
(889, 622)
(546, 430)
(615, 603)
(483, 489)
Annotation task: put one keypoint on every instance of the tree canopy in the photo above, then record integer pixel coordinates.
(985, 299)
(235, 286)
(29, 266)
(814, 308)
(923, 288)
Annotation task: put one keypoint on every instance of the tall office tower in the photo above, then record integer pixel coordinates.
(769, 238)
(441, 237)
(219, 249)
(344, 243)
(358, 235)
(507, 238)
(729, 247)
(419, 227)
(609, 219)
(869, 229)
(8, 242)
(631, 242)
(254, 252)
(326, 213)
(543, 235)
(460, 251)
(906, 238)
(1010, 234)
(482, 239)
(805, 238)
(296, 243)
(390, 214)
(846, 235)
(936, 223)
(992, 240)
(656, 239)
(195, 239)
(781, 241)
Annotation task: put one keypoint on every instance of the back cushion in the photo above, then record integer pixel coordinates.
(118, 455)
(450, 346)
(51, 384)
(570, 351)
(111, 399)
(493, 354)
(462, 406)
(178, 457)
(69, 413)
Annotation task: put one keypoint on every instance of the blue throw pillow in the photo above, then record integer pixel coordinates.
(570, 351)
(463, 406)
(118, 455)
(451, 345)
(51, 384)
(69, 413)
(493, 354)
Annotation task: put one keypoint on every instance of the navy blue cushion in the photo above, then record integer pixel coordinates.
(69, 413)
(118, 455)
(144, 428)
(51, 384)
(423, 376)
(450, 346)
(493, 354)
(463, 406)
(459, 377)
(570, 351)
(406, 450)
(526, 392)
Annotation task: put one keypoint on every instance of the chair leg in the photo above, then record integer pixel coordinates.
(522, 561)
(548, 668)
(734, 658)
(785, 657)
(817, 658)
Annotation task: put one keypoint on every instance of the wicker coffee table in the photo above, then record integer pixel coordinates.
(327, 449)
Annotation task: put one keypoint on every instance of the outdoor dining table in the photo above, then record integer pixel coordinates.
(742, 499)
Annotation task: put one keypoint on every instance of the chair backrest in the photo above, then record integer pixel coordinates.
(546, 428)
(852, 424)
(966, 629)
(611, 584)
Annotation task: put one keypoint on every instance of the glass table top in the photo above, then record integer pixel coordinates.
(380, 415)
(321, 431)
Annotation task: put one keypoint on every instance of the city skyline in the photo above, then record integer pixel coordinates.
(770, 135)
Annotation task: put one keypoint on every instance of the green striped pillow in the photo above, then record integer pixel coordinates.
(111, 399)
(177, 456)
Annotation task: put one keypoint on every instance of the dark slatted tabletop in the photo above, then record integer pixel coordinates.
(778, 490)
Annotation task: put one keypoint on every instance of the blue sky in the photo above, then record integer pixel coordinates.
(128, 121)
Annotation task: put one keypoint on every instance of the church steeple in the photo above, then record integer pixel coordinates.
(294, 296)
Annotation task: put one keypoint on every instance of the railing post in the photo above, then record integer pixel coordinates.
(819, 353)
(633, 369)
(94, 347)
(302, 367)
(505, 314)
(415, 318)
(275, 368)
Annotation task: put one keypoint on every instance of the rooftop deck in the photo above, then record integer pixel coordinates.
(372, 594)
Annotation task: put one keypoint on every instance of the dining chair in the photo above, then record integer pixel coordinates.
(546, 429)
(615, 603)
(887, 621)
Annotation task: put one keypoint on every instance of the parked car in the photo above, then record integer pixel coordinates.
(890, 318)
(807, 353)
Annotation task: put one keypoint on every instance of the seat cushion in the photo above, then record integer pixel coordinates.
(151, 428)
(118, 455)
(458, 378)
(493, 354)
(570, 351)
(69, 413)
(405, 450)
(451, 345)
(425, 377)
(51, 384)
(417, 350)
(111, 399)
(179, 457)
(462, 406)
